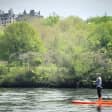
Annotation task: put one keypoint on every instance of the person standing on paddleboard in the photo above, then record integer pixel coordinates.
(99, 86)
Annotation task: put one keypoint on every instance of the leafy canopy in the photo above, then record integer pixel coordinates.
(19, 38)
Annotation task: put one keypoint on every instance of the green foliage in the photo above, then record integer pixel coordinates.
(98, 19)
(101, 38)
(75, 51)
(51, 20)
(3, 68)
(19, 38)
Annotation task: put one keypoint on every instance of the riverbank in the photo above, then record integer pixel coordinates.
(32, 80)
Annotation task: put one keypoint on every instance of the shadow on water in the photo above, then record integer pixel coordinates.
(98, 108)
(104, 109)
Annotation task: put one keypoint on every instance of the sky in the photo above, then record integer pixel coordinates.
(63, 8)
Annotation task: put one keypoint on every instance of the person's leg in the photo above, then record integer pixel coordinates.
(99, 92)
(99, 96)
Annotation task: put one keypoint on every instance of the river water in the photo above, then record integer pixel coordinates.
(49, 100)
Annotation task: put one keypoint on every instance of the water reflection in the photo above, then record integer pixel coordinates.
(99, 108)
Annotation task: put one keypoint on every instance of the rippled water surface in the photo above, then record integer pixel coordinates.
(49, 100)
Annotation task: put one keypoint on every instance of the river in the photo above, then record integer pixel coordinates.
(49, 100)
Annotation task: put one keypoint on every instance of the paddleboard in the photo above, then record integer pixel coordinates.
(102, 102)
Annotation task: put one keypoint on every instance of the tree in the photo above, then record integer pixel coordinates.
(24, 12)
(19, 38)
(32, 12)
(101, 36)
(51, 20)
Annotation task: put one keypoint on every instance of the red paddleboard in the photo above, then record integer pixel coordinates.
(99, 102)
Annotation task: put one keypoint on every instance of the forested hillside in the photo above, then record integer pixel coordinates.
(56, 52)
